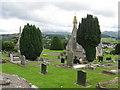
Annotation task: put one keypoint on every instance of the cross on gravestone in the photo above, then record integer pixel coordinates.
(81, 78)
(43, 69)
(70, 58)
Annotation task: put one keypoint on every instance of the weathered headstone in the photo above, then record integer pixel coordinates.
(22, 58)
(70, 58)
(62, 60)
(100, 58)
(109, 58)
(81, 78)
(11, 57)
(43, 69)
(58, 57)
(119, 64)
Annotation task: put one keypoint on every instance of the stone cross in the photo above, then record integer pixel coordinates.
(81, 78)
(70, 58)
(43, 69)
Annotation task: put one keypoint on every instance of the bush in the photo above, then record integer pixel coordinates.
(56, 44)
(8, 46)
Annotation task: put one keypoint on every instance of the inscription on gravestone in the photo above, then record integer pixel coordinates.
(43, 69)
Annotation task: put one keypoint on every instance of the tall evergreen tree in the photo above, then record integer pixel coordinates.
(89, 36)
(31, 42)
(56, 44)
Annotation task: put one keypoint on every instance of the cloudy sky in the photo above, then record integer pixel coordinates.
(56, 15)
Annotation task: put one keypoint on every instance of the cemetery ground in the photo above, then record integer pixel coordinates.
(58, 77)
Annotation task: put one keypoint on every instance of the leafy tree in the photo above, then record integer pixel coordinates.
(15, 39)
(117, 49)
(31, 42)
(8, 46)
(56, 44)
(89, 36)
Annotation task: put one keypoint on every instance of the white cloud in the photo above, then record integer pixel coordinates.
(51, 15)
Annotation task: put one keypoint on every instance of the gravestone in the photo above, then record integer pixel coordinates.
(119, 64)
(58, 57)
(11, 57)
(109, 58)
(81, 78)
(22, 58)
(100, 58)
(62, 60)
(70, 58)
(43, 69)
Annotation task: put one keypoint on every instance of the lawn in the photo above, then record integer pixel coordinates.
(108, 49)
(57, 77)
(52, 51)
(109, 40)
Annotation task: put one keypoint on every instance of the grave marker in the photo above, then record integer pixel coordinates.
(43, 69)
(100, 58)
(11, 57)
(81, 78)
(119, 64)
(22, 58)
(70, 58)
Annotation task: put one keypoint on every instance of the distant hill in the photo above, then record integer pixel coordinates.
(8, 37)
(46, 35)
(111, 34)
(57, 33)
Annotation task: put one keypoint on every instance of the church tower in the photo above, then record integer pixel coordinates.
(74, 31)
(72, 44)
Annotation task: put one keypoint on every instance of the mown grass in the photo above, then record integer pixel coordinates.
(50, 57)
(32, 63)
(109, 40)
(57, 77)
(52, 51)
(108, 49)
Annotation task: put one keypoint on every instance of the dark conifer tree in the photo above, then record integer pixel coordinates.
(89, 36)
(56, 44)
(31, 42)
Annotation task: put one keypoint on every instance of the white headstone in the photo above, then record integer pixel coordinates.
(11, 57)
